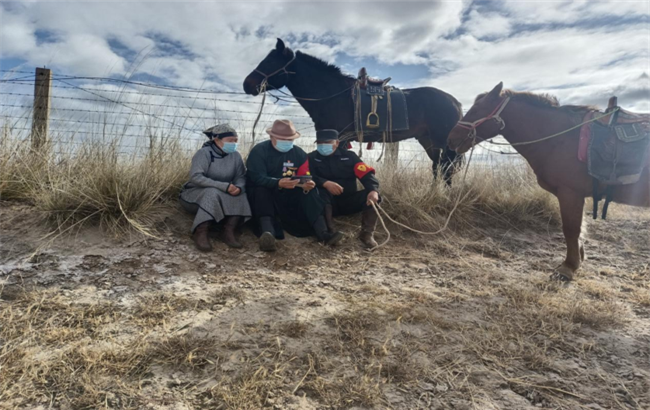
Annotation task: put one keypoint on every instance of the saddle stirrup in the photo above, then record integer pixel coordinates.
(372, 121)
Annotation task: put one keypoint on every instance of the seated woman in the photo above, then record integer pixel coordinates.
(216, 188)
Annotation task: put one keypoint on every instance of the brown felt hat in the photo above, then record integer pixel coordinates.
(283, 129)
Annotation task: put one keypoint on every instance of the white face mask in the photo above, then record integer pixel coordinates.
(229, 147)
(325, 149)
(283, 145)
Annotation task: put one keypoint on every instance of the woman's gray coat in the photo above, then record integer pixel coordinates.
(206, 193)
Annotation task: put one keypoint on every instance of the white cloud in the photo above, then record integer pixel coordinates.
(568, 48)
(574, 64)
(482, 24)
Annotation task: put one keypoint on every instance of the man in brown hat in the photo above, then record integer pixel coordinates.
(278, 200)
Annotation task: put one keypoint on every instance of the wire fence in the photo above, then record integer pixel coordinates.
(138, 115)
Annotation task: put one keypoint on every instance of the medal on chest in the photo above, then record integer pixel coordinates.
(288, 169)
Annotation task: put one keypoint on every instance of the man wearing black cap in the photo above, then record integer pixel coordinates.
(335, 172)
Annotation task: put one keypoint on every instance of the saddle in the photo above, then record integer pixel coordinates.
(618, 150)
(372, 85)
(622, 116)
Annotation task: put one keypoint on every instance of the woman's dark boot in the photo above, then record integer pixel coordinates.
(229, 227)
(200, 237)
(368, 223)
(323, 235)
(267, 239)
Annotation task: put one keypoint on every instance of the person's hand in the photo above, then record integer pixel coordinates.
(333, 188)
(288, 183)
(373, 197)
(308, 186)
(234, 190)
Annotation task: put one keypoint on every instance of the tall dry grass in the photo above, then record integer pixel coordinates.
(94, 183)
(484, 193)
(98, 183)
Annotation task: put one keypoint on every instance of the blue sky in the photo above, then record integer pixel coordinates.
(582, 52)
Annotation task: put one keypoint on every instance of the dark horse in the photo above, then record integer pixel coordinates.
(535, 125)
(326, 94)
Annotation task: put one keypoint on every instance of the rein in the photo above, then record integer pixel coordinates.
(314, 99)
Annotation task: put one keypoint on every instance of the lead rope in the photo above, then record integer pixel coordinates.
(389, 122)
(358, 123)
(263, 91)
(459, 199)
(563, 132)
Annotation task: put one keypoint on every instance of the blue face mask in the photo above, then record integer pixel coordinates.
(325, 149)
(229, 147)
(283, 146)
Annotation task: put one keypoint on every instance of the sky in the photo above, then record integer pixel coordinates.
(582, 52)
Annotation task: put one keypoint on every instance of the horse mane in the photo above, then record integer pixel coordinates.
(543, 100)
(324, 65)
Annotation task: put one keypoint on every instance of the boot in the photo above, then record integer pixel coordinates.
(368, 223)
(200, 237)
(229, 231)
(267, 239)
(323, 235)
(329, 218)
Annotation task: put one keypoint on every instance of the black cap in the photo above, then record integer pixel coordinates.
(326, 135)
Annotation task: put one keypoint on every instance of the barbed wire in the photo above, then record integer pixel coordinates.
(149, 104)
(17, 71)
(186, 97)
(60, 77)
(143, 113)
(142, 84)
(115, 134)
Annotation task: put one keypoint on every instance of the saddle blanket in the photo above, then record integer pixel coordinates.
(615, 155)
(398, 111)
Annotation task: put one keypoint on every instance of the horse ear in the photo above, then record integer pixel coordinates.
(496, 91)
(279, 45)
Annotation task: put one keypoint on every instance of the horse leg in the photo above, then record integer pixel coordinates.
(571, 209)
(450, 161)
(435, 155)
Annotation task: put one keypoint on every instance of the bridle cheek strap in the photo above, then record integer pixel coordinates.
(494, 115)
(282, 69)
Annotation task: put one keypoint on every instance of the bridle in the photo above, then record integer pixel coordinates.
(494, 115)
(279, 70)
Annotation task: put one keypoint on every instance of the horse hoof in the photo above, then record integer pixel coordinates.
(560, 277)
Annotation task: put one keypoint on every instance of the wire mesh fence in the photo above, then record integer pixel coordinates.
(138, 117)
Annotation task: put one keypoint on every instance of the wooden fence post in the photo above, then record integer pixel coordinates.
(41, 107)
(392, 154)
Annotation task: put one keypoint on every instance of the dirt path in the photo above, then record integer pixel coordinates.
(461, 321)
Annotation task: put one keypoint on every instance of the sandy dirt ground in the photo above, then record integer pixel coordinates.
(465, 320)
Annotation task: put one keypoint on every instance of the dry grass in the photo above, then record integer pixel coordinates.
(59, 351)
(477, 335)
(507, 194)
(97, 183)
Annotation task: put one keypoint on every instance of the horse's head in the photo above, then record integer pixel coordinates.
(274, 68)
(476, 125)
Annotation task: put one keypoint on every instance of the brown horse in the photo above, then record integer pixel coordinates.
(525, 117)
